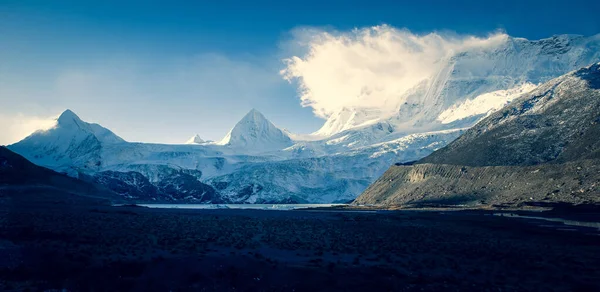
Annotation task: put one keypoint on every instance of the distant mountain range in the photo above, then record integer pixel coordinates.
(257, 162)
(543, 147)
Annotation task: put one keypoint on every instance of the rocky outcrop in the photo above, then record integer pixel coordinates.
(178, 186)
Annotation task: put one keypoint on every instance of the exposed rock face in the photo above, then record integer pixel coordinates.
(545, 146)
(178, 186)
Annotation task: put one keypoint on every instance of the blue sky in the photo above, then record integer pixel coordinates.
(161, 71)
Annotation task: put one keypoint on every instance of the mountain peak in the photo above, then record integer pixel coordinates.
(254, 115)
(196, 139)
(68, 117)
(255, 133)
(70, 138)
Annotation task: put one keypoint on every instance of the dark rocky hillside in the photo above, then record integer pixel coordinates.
(177, 186)
(442, 184)
(19, 176)
(544, 146)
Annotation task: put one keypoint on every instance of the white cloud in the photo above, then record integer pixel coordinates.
(369, 68)
(18, 126)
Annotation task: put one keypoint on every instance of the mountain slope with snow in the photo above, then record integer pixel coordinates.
(460, 92)
(543, 147)
(325, 178)
(484, 104)
(557, 121)
(70, 142)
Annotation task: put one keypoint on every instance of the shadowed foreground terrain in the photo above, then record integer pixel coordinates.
(80, 245)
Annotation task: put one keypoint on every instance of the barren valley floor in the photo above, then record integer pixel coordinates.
(92, 247)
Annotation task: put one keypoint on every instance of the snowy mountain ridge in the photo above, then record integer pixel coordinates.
(508, 69)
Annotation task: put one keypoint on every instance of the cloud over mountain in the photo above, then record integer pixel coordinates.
(370, 68)
(17, 126)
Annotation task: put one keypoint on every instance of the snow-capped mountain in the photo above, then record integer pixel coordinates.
(196, 139)
(70, 142)
(255, 134)
(543, 147)
(309, 171)
(470, 84)
(258, 162)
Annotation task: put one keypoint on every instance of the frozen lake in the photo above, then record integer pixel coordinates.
(240, 206)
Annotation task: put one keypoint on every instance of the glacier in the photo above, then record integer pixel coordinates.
(257, 162)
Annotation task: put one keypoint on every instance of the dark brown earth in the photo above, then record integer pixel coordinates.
(57, 241)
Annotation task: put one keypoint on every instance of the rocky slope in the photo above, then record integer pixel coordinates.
(544, 146)
(441, 184)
